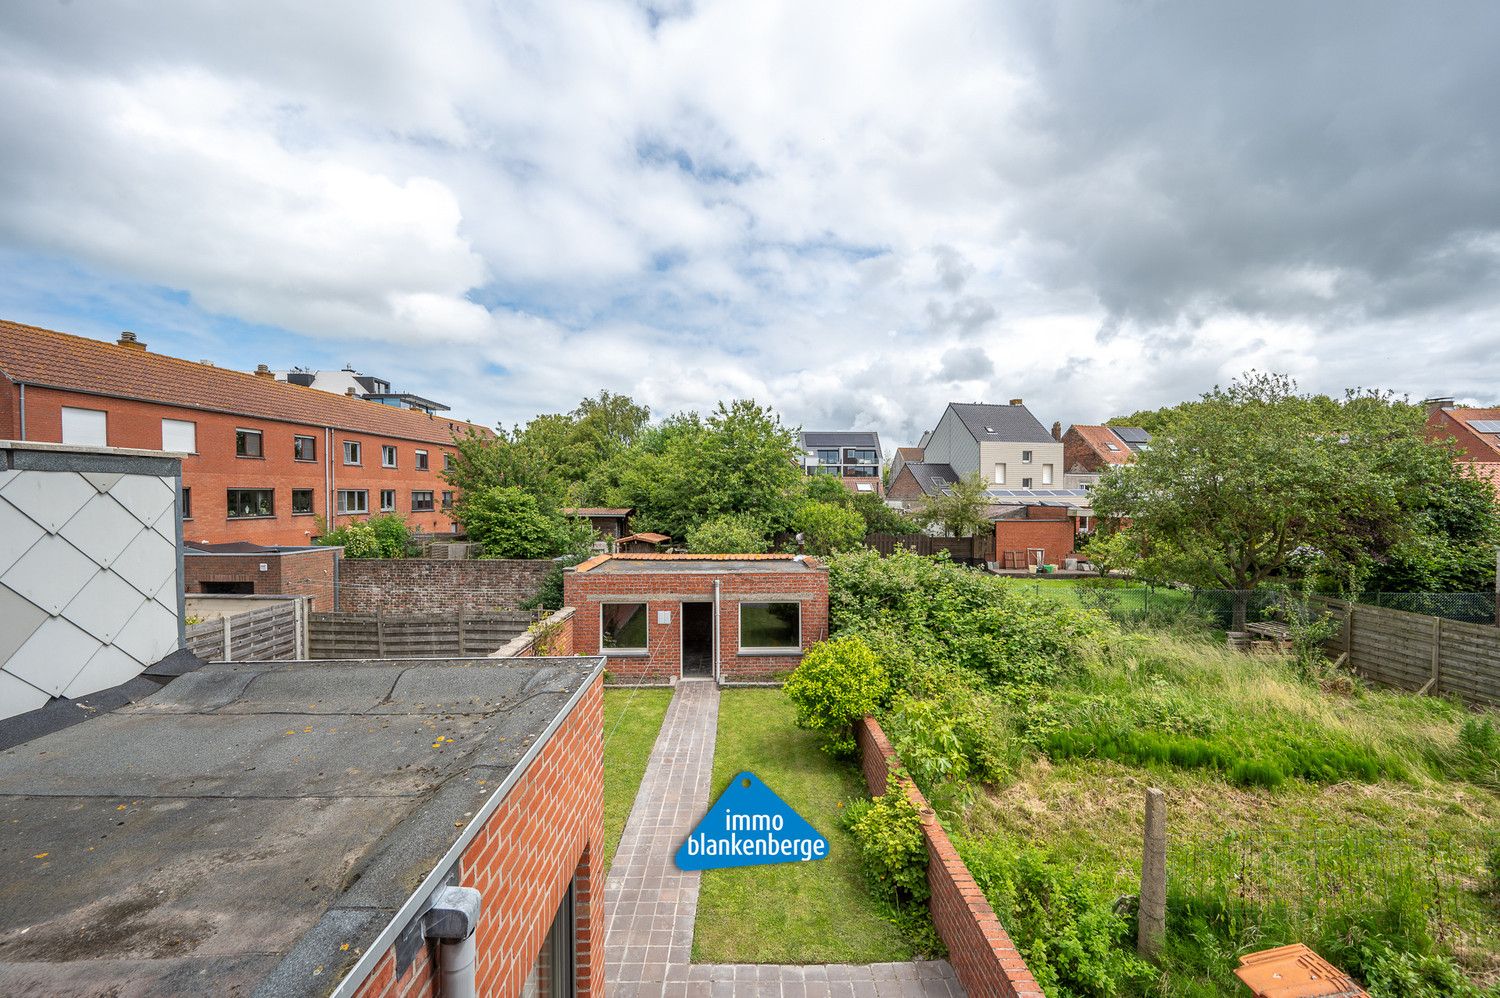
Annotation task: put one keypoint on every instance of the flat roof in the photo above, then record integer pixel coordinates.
(681, 564)
(258, 824)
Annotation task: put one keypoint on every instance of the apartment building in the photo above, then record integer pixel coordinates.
(854, 456)
(262, 460)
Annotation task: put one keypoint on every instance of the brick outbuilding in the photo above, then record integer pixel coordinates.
(734, 617)
(1035, 535)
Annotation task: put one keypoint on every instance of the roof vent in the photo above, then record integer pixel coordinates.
(127, 339)
(1015, 401)
(262, 371)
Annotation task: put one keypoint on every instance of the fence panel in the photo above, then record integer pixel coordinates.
(433, 635)
(976, 549)
(1419, 652)
(267, 633)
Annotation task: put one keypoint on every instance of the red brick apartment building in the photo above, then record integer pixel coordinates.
(262, 458)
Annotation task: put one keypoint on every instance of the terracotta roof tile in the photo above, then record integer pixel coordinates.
(1100, 438)
(48, 358)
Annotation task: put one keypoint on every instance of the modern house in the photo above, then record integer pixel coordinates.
(350, 382)
(658, 618)
(1005, 444)
(1475, 431)
(854, 456)
(1089, 451)
(262, 460)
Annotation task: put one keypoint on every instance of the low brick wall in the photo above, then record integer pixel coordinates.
(424, 585)
(979, 948)
(554, 635)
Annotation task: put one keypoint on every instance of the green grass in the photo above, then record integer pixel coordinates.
(815, 912)
(632, 717)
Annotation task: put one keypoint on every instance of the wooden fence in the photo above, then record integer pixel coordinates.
(1414, 651)
(427, 635)
(976, 549)
(270, 632)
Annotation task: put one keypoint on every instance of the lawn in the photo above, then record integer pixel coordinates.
(632, 717)
(815, 912)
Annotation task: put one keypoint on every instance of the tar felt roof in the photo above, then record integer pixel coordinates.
(1006, 423)
(930, 478)
(840, 438)
(257, 825)
(599, 511)
(620, 564)
(58, 360)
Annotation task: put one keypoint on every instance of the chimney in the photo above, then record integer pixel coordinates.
(262, 371)
(1437, 402)
(128, 341)
(1056, 430)
(1015, 401)
(351, 393)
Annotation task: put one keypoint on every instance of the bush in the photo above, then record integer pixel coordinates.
(377, 537)
(549, 595)
(826, 527)
(888, 831)
(729, 534)
(838, 682)
(951, 742)
(508, 522)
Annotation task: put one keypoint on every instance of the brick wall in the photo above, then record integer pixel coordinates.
(10, 397)
(664, 591)
(1079, 454)
(423, 585)
(1054, 536)
(980, 950)
(904, 486)
(552, 637)
(548, 830)
(288, 573)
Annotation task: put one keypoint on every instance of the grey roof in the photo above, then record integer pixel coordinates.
(236, 830)
(924, 473)
(721, 565)
(1008, 423)
(839, 438)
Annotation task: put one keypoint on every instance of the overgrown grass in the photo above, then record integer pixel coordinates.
(632, 718)
(814, 912)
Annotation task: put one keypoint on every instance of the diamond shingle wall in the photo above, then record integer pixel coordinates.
(88, 582)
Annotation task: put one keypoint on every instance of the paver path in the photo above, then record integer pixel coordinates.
(650, 905)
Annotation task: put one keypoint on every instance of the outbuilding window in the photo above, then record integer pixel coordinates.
(770, 626)
(622, 627)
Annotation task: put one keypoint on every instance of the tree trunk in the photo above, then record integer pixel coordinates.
(1241, 606)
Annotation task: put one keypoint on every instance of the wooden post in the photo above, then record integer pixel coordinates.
(462, 645)
(1152, 927)
(379, 634)
(1437, 652)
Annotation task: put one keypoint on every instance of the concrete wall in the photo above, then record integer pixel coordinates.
(90, 569)
(420, 585)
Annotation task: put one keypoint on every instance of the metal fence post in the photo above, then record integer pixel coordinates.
(1152, 920)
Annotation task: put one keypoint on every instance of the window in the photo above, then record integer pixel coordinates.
(388, 500)
(247, 503)
(353, 501)
(770, 626)
(421, 502)
(556, 967)
(247, 443)
(421, 460)
(351, 452)
(862, 471)
(1046, 474)
(447, 461)
(1000, 474)
(187, 503)
(179, 436)
(1110, 446)
(622, 627)
(828, 457)
(1025, 483)
(864, 487)
(304, 448)
(860, 456)
(1026, 457)
(387, 456)
(210, 587)
(302, 502)
(85, 427)
(447, 500)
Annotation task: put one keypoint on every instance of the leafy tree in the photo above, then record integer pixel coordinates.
(879, 518)
(962, 511)
(827, 527)
(509, 522)
(1112, 551)
(728, 534)
(1455, 531)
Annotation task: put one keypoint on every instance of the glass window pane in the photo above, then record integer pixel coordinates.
(770, 625)
(302, 500)
(624, 626)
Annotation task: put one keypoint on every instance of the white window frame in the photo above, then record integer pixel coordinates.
(341, 506)
(773, 650)
(392, 507)
(1046, 474)
(999, 472)
(357, 451)
(387, 450)
(634, 652)
(423, 463)
(176, 427)
(86, 430)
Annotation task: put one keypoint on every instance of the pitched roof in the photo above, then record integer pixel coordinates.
(1008, 423)
(687, 562)
(599, 511)
(925, 473)
(1110, 447)
(910, 453)
(44, 357)
(839, 438)
(1483, 423)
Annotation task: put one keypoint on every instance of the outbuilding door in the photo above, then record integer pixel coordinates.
(698, 640)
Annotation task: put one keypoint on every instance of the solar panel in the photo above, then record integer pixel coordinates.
(1132, 434)
(1485, 425)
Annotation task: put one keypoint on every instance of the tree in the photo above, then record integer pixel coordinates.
(1240, 485)
(961, 510)
(509, 522)
(827, 527)
(729, 534)
(879, 518)
(1111, 551)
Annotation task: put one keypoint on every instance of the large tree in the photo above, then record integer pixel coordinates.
(961, 510)
(1257, 481)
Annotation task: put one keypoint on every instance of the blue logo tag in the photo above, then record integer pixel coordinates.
(748, 826)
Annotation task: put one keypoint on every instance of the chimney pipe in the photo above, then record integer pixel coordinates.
(262, 371)
(1015, 401)
(1437, 402)
(127, 340)
(351, 393)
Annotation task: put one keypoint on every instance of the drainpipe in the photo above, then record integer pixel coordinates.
(716, 630)
(451, 917)
(328, 476)
(23, 410)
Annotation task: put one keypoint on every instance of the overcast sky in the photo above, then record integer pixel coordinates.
(855, 212)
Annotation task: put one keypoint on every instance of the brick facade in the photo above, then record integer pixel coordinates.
(904, 486)
(1050, 529)
(980, 950)
(665, 592)
(548, 831)
(429, 585)
(288, 573)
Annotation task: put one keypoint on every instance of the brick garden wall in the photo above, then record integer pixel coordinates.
(549, 830)
(979, 948)
(665, 591)
(423, 585)
(1055, 536)
(292, 573)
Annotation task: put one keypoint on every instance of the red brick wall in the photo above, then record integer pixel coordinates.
(666, 591)
(1079, 454)
(301, 573)
(548, 830)
(1053, 536)
(980, 950)
(553, 637)
(427, 585)
(215, 469)
(10, 428)
(904, 486)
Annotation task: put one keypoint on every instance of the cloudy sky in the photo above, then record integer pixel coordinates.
(853, 211)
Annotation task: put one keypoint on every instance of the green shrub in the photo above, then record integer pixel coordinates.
(1477, 755)
(509, 522)
(549, 595)
(826, 527)
(839, 681)
(951, 742)
(728, 534)
(888, 831)
(376, 537)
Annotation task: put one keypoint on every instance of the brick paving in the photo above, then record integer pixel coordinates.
(650, 904)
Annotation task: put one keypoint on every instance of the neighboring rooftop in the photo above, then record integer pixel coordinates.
(931, 478)
(1012, 423)
(247, 547)
(813, 439)
(1114, 444)
(126, 369)
(257, 824)
(597, 511)
(350, 382)
(616, 564)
